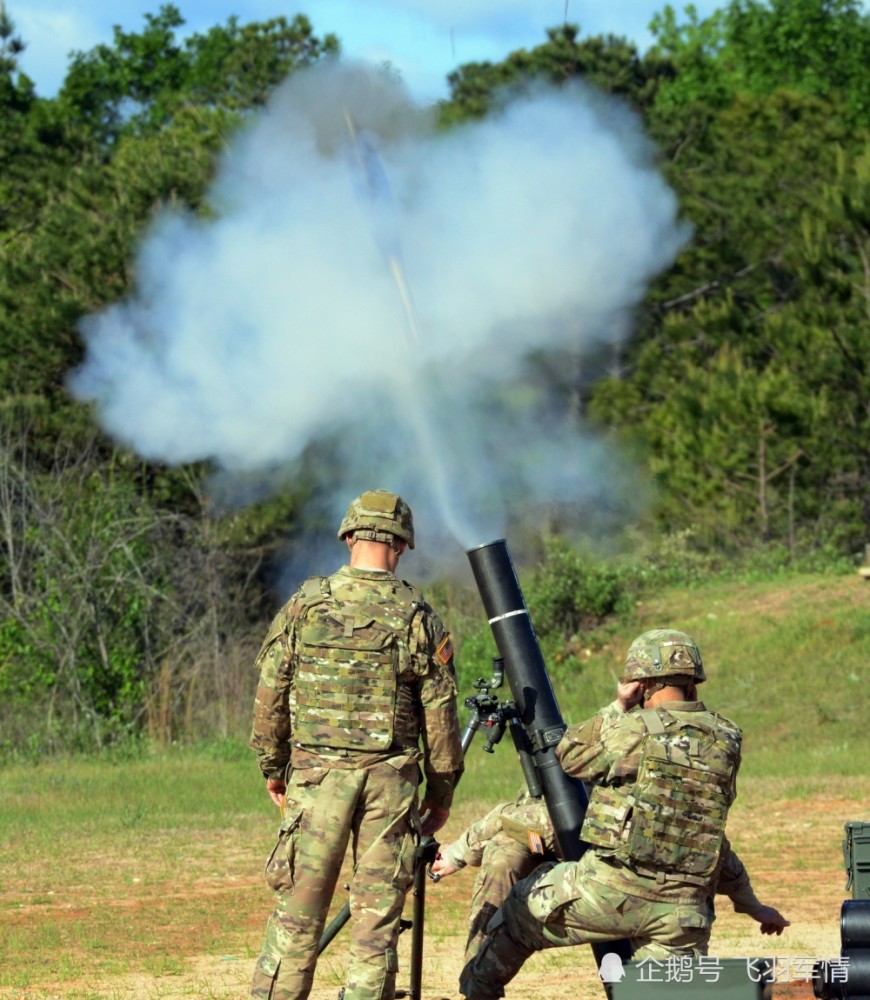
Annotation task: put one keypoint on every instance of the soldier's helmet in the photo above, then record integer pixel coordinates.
(376, 513)
(663, 652)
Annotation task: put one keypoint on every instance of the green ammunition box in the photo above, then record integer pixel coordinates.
(719, 978)
(856, 855)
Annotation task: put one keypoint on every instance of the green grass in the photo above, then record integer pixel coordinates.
(788, 661)
(117, 801)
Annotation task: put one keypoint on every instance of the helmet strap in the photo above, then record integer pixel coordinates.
(684, 683)
(383, 537)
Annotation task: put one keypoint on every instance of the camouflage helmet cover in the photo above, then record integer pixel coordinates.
(379, 512)
(663, 652)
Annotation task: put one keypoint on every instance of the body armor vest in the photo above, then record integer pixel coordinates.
(670, 821)
(349, 660)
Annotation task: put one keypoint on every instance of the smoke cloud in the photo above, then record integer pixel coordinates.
(367, 281)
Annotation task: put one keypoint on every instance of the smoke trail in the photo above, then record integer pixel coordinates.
(378, 198)
(275, 324)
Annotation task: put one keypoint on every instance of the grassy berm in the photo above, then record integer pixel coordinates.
(142, 878)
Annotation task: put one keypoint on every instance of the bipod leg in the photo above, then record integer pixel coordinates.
(425, 855)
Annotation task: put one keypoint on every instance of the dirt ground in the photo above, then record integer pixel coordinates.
(792, 847)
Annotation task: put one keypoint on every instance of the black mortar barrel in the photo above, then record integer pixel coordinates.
(848, 978)
(531, 689)
(536, 703)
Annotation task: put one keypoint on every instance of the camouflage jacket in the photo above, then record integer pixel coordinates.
(425, 702)
(605, 751)
(525, 820)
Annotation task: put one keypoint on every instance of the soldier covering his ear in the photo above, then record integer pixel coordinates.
(664, 778)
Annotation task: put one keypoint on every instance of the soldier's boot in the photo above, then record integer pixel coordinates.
(500, 958)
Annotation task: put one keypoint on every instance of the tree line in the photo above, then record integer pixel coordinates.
(744, 389)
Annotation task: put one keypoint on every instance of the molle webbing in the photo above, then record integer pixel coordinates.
(348, 662)
(682, 794)
(669, 822)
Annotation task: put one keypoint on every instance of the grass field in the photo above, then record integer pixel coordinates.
(142, 879)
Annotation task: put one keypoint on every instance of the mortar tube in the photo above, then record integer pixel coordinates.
(537, 708)
(532, 691)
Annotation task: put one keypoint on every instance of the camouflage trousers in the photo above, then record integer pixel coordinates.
(374, 809)
(505, 862)
(561, 905)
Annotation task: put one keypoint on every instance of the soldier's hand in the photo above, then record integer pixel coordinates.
(277, 788)
(441, 866)
(629, 694)
(432, 818)
(771, 920)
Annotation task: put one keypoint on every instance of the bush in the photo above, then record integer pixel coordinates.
(573, 593)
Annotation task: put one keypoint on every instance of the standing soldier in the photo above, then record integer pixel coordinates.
(355, 672)
(665, 778)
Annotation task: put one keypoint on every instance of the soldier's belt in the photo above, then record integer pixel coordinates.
(660, 875)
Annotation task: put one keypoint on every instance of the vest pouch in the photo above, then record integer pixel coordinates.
(680, 802)
(607, 817)
(346, 675)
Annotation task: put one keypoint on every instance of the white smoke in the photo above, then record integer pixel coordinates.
(278, 320)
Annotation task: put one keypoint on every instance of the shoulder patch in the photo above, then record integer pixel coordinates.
(536, 842)
(445, 650)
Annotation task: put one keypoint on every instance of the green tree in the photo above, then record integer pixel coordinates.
(833, 360)
(744, 394)
(820, 48)
(73, 258)
(714, 390)
(136, 125)
(11, 45)
(724, 438)
(139, 81)
(114, 581)
(35, 145)
(116, 616)
(607, 62)
(745, 176)
(237, 66)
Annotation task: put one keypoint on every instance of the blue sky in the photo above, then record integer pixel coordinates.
(423, 39)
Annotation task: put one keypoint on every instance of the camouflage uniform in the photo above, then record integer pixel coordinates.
(348, 739)
(507, 845)
(603, 897)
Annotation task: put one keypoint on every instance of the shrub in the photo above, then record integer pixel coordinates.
(572, 592)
